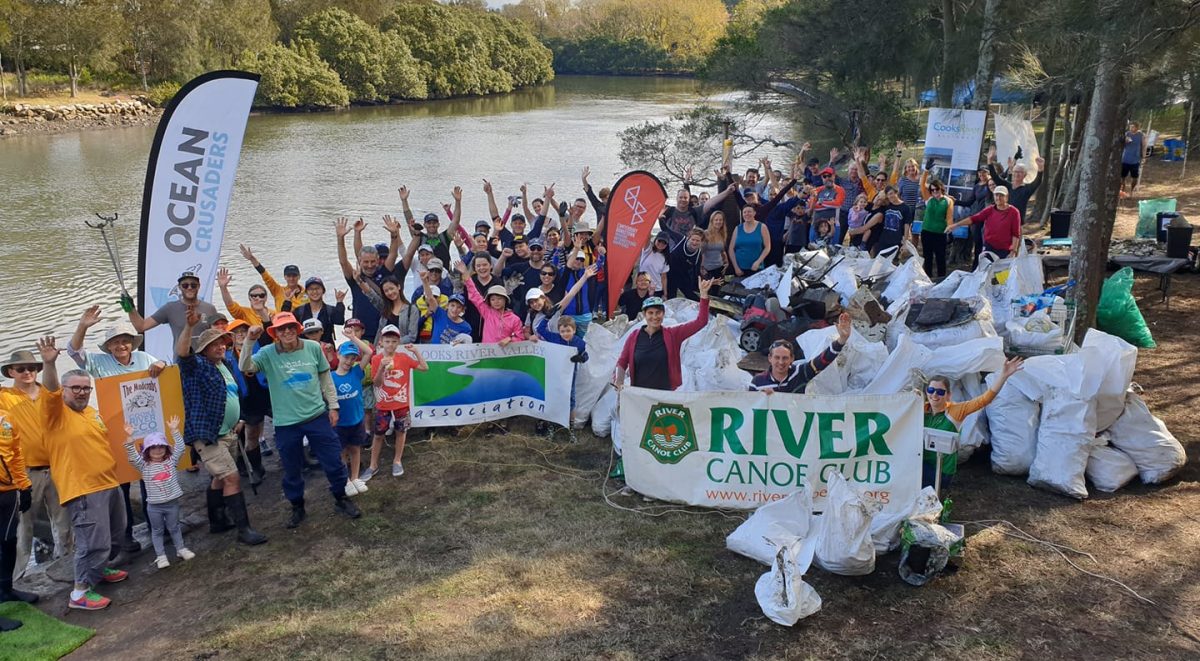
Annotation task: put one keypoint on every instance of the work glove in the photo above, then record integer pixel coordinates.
(126, 302)
(577, 358)
(25, 499)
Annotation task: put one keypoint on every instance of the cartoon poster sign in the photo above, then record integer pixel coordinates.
(144, 403)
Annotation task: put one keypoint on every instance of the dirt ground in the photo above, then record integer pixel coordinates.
(505, 548)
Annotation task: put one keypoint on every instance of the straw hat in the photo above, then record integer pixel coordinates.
(118, 331)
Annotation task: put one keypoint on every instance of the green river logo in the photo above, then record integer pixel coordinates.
(670, 435)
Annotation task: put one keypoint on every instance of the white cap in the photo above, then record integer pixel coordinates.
(435, 291)
(312, 324)
(1000, 190)
(581, 255)
(533, 294)
(390, 329)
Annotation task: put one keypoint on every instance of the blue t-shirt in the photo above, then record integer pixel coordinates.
(350, 397)
(1131, 153)
(445, 330)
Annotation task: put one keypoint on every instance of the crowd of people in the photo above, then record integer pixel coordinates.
(328, 379)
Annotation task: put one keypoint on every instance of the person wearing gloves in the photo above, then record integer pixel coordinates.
(787, 375)
(945, 415)
(16, 497)
(305, 404)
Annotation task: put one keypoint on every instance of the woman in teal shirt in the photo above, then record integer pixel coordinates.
(750, 245)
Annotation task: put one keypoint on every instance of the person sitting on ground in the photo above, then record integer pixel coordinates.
(565, 336)
(348, 378)
(315, 308)
(158, 462)
(1001, 224)
(787, 375)
(651, 355)
(822, 234)
(292, 296)
(392, 402)
(945, 415)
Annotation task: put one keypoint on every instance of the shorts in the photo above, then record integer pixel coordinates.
(217, 457)
(353, 435)
(1130, 170)
(397, 420)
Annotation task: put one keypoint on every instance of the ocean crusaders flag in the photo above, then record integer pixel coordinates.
(188, 184)
(633, 209)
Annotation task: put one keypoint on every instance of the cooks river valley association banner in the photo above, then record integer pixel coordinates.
(742, 449)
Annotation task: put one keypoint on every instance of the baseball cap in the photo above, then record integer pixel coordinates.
(353, 322)
(457, 298)
(348, 348)
(188, 274)
(390, 329)
(533, 294)
(581, 255)
(517, 216)
(482, 223)
(291, 269)
(653, 302)
(314, 281)
(1000, 190)
(518, 238)
(828, 171)
(311, 325)
(425, 247)
(535, 243)
(435, 291)
(431, 217)
(435, 263)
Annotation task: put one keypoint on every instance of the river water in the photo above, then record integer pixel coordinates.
(298, 173)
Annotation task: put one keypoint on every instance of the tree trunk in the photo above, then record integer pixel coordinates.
(1064, 152)
(73, 74)
(3, 88)
(1089, 252)
(985, 70)
(1046, 194)
(946, 82)
(1071, 188)
(22, 86)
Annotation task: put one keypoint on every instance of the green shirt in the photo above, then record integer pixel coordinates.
(233, 405)
(293, 379)
(942, 422)
(935, 215)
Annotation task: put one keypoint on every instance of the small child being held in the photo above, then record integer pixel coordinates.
(567, 337)
(159, 462)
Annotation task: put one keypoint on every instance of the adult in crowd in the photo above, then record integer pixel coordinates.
(827, 202)
(651, 355)
(939, 214)
(715, 260)
(971, 202)
(257, 314)
(16, 497)
(1019, 191)
(484, 277)
(85, 474)
(305, 404)
(588, 301)
(287, 296)
(654, 262)
(429, 232)
(174, 312)
(787, 375)
(393, 306)
(1001, 224)
(890, 223)
(254, 400)
(1132, 153)
(370, 266)
(119, 350)
(20, 401)
(316, 308)
(908, 182)
(684, 263)
(750, 244)
(944, 415)
(212, 420)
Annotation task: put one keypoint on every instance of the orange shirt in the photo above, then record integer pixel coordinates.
(81, 460)
(27, 418)
(393, 394)
(247, 315)
(12, 467)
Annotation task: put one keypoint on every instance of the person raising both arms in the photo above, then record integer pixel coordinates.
(290, 294)
(175, 311)
(429, 232)
(370, 266)
(120, 354)
(1019, 192)
(259, 312)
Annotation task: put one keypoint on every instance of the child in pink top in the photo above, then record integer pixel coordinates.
(500, 325)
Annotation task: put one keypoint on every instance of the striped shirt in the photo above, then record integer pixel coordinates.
(161, 477)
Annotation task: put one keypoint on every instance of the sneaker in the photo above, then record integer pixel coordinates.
(397, 469)
(90, 601)
(366, 475)
(362, 486)
(114, 575)
(185, 554)
(347, 507)
(161, 562)
(351, 488)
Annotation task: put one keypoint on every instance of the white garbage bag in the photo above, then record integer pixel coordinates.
(947, 287)
(768, 277)
(788, 517)
(1037, 332)
(1025, 276)
(1066, 433)
(1013, 421)
(1121, 359)
(974, 430)
(895, 375)
(1147, 441)
(602, 414)
(592, 377)
(978, 327)
(844, 544)
(885, 525)
(984, 354)
(905, 280)
(709, 360)
(1110, 469)
(782, 593)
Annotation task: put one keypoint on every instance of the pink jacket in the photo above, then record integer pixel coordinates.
(496, 325)
(673, 337)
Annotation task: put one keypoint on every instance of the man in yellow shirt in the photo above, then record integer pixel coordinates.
(83, 469)
(14, 498)
(21, 402)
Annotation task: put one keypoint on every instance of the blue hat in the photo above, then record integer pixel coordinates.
(459, 298)
(349, 348)
(653, 302)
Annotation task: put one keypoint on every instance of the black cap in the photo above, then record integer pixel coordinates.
(291, 269)
(188, 275)
(517, 216)
(518, 238)
(432, 217)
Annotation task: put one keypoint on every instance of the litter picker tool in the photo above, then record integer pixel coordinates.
(107, 225)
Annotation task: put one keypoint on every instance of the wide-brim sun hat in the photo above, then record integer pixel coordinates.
(209, 336)
(498, 290)
(19, 358)
(282, 319)
(118, 331)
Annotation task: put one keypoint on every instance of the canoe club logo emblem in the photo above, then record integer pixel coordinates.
(669, 435)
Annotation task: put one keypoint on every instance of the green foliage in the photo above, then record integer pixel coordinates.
(605, 55)
(294, 77)
(366, 62)
(161, 94)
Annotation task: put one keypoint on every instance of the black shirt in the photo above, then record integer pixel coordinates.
(650, 362)
(630, 302)
(440, 243)
(685, 270)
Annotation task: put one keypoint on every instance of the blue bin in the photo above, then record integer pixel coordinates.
(1176, 150)
(963, 232)
(916, 228)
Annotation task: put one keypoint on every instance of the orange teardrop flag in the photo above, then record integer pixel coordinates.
(634, 206)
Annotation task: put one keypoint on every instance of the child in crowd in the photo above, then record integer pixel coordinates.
(348, 380)
(391, 370)
(824, 234)
(539, 306)
(565, 336)
(445, 317)
(500, 325)
(314, 330)
(655, 263)
(158, 462)
(857, 217)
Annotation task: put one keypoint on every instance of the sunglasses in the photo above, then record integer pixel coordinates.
(550, 274)
(258, 295)
(827, 176)
(21, 369)
(189, 285)
(780, 343)
(80, 390)
(290, 328)
(536, 248)
(940, 392)
(880, 179)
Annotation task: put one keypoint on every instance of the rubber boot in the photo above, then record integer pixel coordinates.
(8, 625)
(346, 506)
(259, 473)
(218, 522)
(298, 514)
(8, 562)
(235, 505)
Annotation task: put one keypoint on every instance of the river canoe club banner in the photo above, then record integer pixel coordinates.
(743, 449)
(193, 162)
(473, 383)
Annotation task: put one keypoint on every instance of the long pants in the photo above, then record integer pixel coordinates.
(323, 443)
(934, 246)
(10, 516)
(98, 520)
(164, 517)
(45, 499)
(125, 489)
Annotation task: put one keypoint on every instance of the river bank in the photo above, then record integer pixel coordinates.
(25, 119)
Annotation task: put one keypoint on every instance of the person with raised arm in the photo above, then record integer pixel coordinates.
(429, 231)
(174, 312)
(650, 356)
(292, 293)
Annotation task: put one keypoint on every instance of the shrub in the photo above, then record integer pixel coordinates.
(294, 77)
(161, 94)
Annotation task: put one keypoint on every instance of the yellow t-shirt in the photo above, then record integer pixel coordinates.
(81, 460)
(12, 467)
(280, 294)
(27, 418)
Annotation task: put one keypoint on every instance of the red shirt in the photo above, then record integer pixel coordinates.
(393, 394)
(999, 227)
